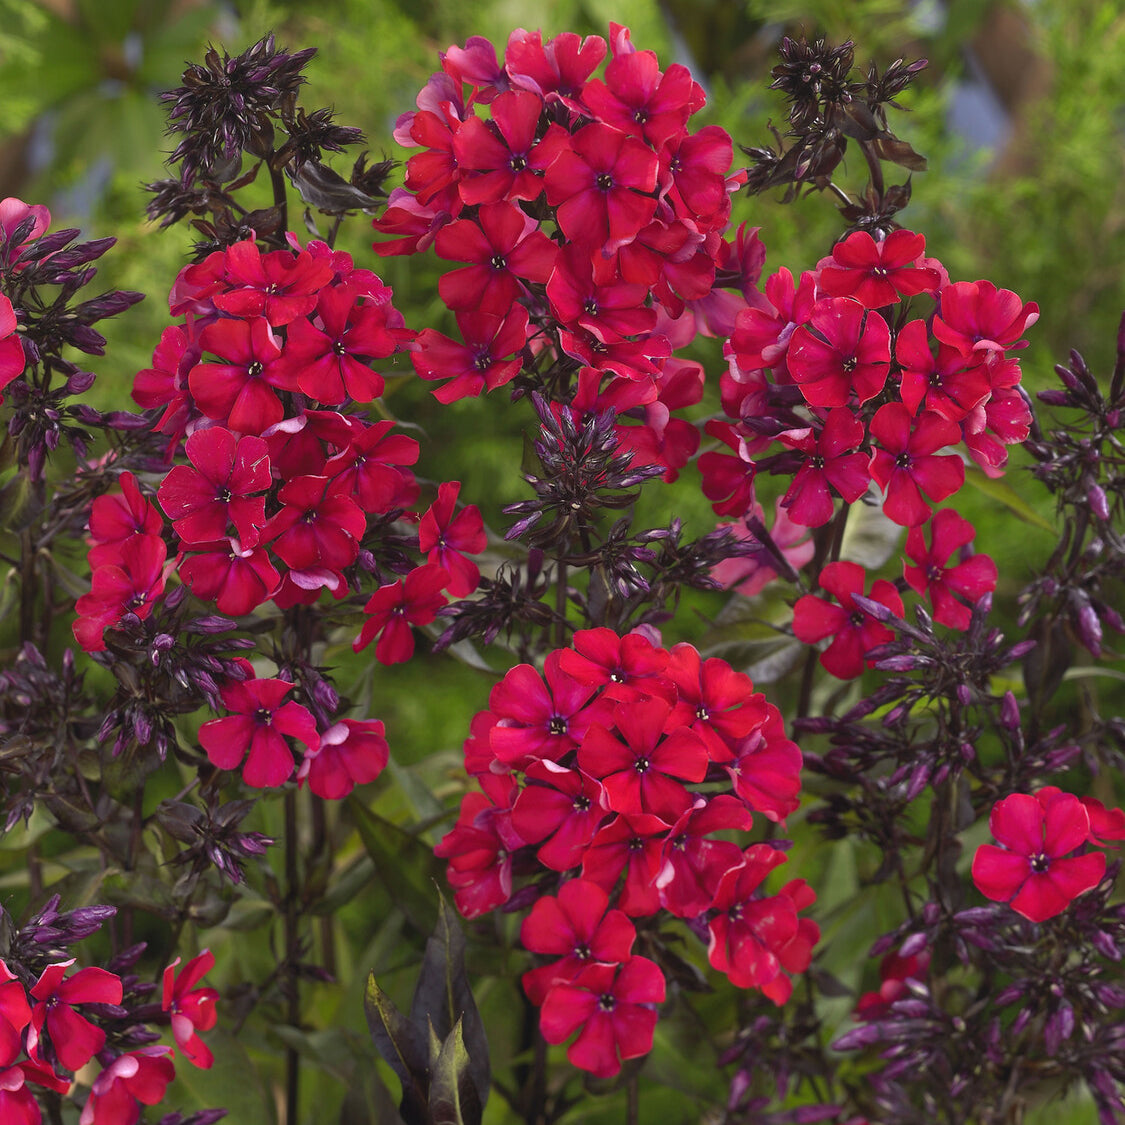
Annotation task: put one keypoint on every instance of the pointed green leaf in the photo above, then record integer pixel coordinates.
(1001, 490)
(402, 1046)
(453, 1095)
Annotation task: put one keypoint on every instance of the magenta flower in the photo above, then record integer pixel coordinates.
(73, 1038)
(279, 286)
(1033, 871)
(15, 1015)
(877, 273)
(830, 465)
(908, 463)
(561, 809)
(236, 579)
(445, 537)
(392, 609)
(489, 357)
(615, 1008)
(976, 317)
(18, 1104)
(191, 1009)
(257, 731)
(969, 579)
(11, 347)
(493, 159)
(139, 1076)
(118, 520)
(352, 752)
(843, 349)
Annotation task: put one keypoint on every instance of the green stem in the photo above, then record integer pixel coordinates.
(292, 954)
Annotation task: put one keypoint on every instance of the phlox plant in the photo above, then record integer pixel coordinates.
(637, 848)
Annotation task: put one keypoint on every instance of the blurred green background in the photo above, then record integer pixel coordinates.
(1019, 113)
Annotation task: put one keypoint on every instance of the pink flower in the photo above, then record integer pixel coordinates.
(445, 537)
(877, 273)
(73, 1038)
(843, 349)
(393, 608)
(352, 752)
(117, 1093)
(1033, 871)
(191, 1009)
(830, 468)
(969, 579)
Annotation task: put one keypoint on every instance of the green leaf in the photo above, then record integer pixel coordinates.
(403, 864)
(869, 537)
(1002, 491)
(402, 1045)
(453, 1094)
(443, 999)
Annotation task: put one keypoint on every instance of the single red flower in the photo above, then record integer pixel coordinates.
(316, 527)
(18, 1103)
(239, 391)
(628, 668)
(976, 317)
(352, 752)
(279, 286)
(609, 312)
(15, 1015)
(236, 579)
(633, 844)
(482, 362)
(445, 538)
(844, 349)
(1033, 871)
(949, 385)
(370, 466)
(613, 1005)
(392, 609)
(561, 810)
(908, 463)
(493, 157)
(191, 1009)
(969, 579)
(132, 586)
(256, 731)
(766, 771)
(556, 70)
(853, 632)
(11, 347)
(878, 273)
(830, 464)
(73, 1038)
(118, 520)
(136, 1077)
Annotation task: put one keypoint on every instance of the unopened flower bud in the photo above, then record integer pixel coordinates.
(1010, 711)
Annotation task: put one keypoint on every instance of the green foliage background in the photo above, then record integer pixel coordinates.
(81, 130)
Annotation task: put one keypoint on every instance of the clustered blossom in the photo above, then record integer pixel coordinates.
(56, 1020)
(611, 772)
(589, 224)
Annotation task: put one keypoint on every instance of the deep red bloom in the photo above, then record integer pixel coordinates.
(11, 347)
(74, 1039)
(493, 157)
(239, 391)
(829, 464)
(132, 586)
(578, 927)
(15, 1015)
(392, 609)
(480, 363)
(762, 337)
(949, 385)
(18, 1104)
(908, 463)
(118, 520)
(628, 667)
(975, 316)
(1033, 872)
(258, 726)
(236, 579)
(877, 273)
(971, 578)
(561, 809)
(370, 466)
(443, 537)
(191, 1009)
(279, 286)
(132, 1078)
(316, 527)
(599, 184)
(632, 844)
(218, 488)
(844, 349)
(610, 312)
(556, 70)
(766, 770)
(352, 752)
(854, 633)
(614, 1005)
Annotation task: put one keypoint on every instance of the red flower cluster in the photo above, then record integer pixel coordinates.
(589, 220)
(1045, 862)
(51, 1026)
(593, 770)
(883, 385)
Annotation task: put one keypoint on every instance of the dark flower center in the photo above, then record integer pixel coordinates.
(643, 764)
(254, 370)
(498, 262)
(607, 1002)
(604, 181)
(557, 725)
(1039, 863)
(263, 715)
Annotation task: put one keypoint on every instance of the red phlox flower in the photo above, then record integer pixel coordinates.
(239, 391)
(493, 157)
(713, 700)
(843, 349)
(476, 64)
(118, 520)
(392, 609)
(628, 359)
(609, 312)
(15, 1015)
(505, 246)
(750, 574)
(256, 730)
(640, 765)
(694, 176)
(561, 810)
(139, 1076)
(762, 335)
(633, 845)
(1033, 871)
(1004, 419)
(130, 586)
(235, 578)
(948, 385)
(11, 347)
(316, 527)
(369, 466)
(749, 929)
(975, 316)
(877, 273)
(613, 1005)
(18, 1103)
(693, 865)
(480, 363)
(165, 383)
(830, 464)
(191, 1009)
(352, 752)
(328, 362)
(480, 849)
(279, 286)
(74, 1040)
(577, 927)
(433, 173)
(795, 955)
(628, 668)
(637, 99)
(970, 579)
(600, 187)
(1106, 825)
(13, 214)
(908, 463)
(556, 70)
(894, 970)
(417, 223)
(854, 633)
(539, 716)
(444, 538)
(728, 482)
(218, 488)
(766, 771)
